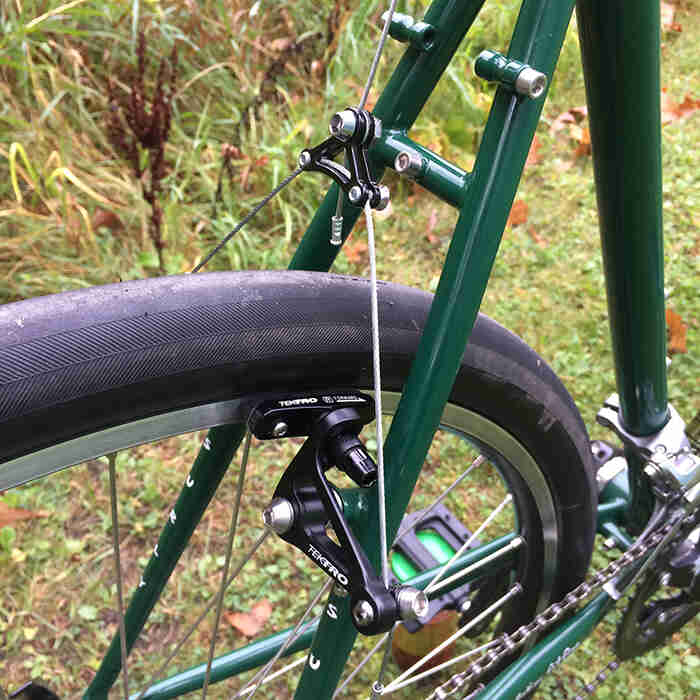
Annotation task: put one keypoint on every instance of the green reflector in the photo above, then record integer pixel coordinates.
(436, 545)
(402, 567)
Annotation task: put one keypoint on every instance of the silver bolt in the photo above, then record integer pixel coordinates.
(531, 83)
(304, 159)
(278, 516)
(355, 194)
(363, 613)
(666, 579)
(384, 196)
(343, 124)
(280, 429)
(408, 163)
(413, 604)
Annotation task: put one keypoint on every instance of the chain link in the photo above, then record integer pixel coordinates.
(508, 643)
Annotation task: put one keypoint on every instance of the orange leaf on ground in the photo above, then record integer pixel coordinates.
(518, 213)
(250, 623)
(540, 240)
(584, 144)
(432, 223)
(572, 116)
(677, 331)
(355, 252)
(534, 156)
(673, 111)
(668, 16)
(9, 516)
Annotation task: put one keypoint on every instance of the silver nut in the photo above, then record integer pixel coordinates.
(304, 159)
(413, 604)
(343, 124)
(384, 197)
(280, 429)
(408, 163)
(279, 516)
(355, 194)
(531, 83)
(363, 613)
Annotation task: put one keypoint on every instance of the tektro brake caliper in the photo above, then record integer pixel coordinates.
(305, 503)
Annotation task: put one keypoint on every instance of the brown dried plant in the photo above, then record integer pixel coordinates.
(137, 125)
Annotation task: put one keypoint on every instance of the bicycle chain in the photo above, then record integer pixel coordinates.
(508, 643)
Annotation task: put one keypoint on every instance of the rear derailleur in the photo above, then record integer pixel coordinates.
(305, 503)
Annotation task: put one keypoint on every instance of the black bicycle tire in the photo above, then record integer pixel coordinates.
(144, 347)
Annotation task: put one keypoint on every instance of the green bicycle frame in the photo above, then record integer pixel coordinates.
(620, 46)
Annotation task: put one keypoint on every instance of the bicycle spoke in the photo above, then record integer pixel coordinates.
(249, 690)
(227, 563)
(112, 460)
(465, 546)
(494, 607)
(261, 675)
(476, 463)
(360, 666)
(378, 687)
(204, 613)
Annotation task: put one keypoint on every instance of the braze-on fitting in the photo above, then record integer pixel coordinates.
(515, 75)
(405, 29)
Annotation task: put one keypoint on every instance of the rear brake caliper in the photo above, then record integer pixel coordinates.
(305, 502)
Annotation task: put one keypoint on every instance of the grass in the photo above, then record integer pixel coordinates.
(252, 84)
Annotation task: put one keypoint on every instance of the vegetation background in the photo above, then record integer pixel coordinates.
(83, 202)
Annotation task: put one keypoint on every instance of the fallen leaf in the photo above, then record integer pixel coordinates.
(355, 252)
(668, 16)
(584, 144)
(572, 116)
(106, 218)
(432, 223)
(250, 623)
(518, 213)
(534, 156)
(9, 516)
(536, 237)
(673, 111)
(677, 331)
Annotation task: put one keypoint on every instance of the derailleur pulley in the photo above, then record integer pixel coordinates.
(305, 502)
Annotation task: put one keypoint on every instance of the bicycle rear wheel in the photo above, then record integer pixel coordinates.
(92, 372)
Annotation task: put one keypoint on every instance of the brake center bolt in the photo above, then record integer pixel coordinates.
(413, 604)
(363, 613)
(343, 124)
(280, 429)
(278, 516)
(355, 194)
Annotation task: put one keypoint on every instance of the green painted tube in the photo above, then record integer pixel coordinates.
(621, 56)
(238, 661)
(525, 674)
